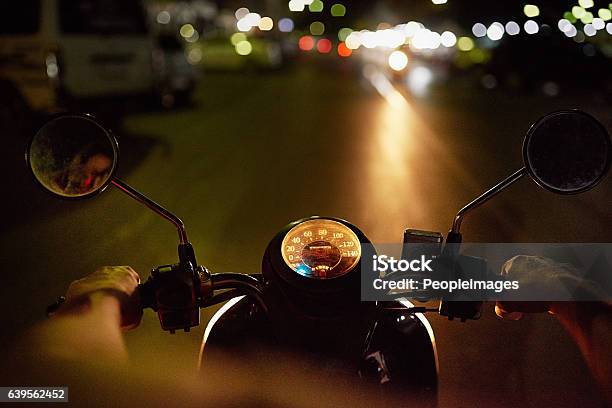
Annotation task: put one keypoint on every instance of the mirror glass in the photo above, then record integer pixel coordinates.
(567, 152)
(73, 156)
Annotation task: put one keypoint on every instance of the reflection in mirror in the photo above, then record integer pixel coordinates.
(73, 156)
(567, 152)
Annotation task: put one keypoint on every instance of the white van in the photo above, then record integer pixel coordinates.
(55, 52)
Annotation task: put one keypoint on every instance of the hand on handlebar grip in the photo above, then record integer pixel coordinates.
(544, 275)
(119, 281)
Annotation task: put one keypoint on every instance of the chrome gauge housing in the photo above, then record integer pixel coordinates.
(321, 248)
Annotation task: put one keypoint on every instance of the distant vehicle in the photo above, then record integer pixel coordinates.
(176, 76)
(57, 54)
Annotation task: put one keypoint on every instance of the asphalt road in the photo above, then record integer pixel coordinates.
(259, 150)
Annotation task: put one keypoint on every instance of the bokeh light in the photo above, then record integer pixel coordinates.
(285, 25)
(306, 43)
(296, 5)
(465, 43)
(578, 11)
(324, 46)
(531, 10)
(589, 30)
(343, 33)
(605, 14)
(343, 50)
(495, 31)
(194, 56)
(244, 48)
(512, 28)
(448, 39)
(398, 60)
(531, 27)
(241, 13)
(353, 41)
(338, 10)
(316, 6)
(187, 30)
(479, 30)
(317, 28)
(598, 23)
(163, 17)
(266, 24)
(237, 37)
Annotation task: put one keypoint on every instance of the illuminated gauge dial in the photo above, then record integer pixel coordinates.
(321, 249)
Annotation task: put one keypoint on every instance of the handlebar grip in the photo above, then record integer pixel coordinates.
(147, 295)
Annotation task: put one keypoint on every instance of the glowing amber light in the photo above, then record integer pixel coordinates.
(306, 43)
(321, 249)
(324, 46)
(343, 50)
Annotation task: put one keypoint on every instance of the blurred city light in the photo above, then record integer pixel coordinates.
(411, 28)
(324, 46)
(285, 25)
(495, 31)
(194, 56)
(587, 18)
(439, 1)
(343, 50)
(479, 30)
(586, 3)
(465, 43)
(241, 13)
(418, 80)
(605, 14)
(564, 25)
(317, 28)
(571, 31)
(531, 10)
(343, 33)
(512, 28)
(398, 60)
(338, 10)
(266, 24)
(531, 27)
(187, 30)
(296, 5)
(353, 40)
(237, 37)
(589, 30)
(243, 25)
(51, 64)
(306, 43)
(578, 11)
(244, 48)
(598, 23)
(316, 6)
(448, 39)
(163, 17)
(425, 39)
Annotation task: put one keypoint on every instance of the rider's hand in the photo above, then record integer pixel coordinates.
(544, 276)
(119, 282)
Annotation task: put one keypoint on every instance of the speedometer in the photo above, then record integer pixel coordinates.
(321, 249)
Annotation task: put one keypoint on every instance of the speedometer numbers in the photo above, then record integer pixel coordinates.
(321, 249)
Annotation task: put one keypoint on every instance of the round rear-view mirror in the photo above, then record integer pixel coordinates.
(567, 152)
(73, 156)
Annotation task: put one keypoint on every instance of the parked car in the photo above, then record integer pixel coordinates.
(176, 76)
(58, 54)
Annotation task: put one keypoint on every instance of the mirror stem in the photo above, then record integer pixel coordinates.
(153, 206)
(484, 197)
